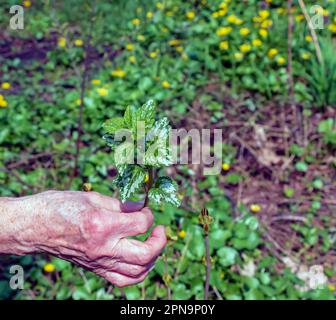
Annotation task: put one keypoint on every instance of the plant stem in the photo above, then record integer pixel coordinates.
(151, 174)
(208, 267)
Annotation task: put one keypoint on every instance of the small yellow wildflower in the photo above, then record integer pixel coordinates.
(280, 10)
(332, 287)
(266, 24)
(153, 54)
(182, 234)
(190, 15)
(238, 55)
(146, 178)
(264, 14)
(179, 49)
(132, 59)
(118, 73)
(233, 19)
(332, 27)
(26, 4)
(102, 92)
(226, 166)
(3, 103)
(281, 60)
(308, 38)
(255, 208)
(49, 267)
(223, 31)
(244, 31)
(136, 22)
(96, 82)
(5, 85)
(299, 17)
(224, 45)
(129, 47)
(61, 42)
(149, 15)
(222, 12)
(272, 53)
(159, 5)
(78, 102)
(263, 33)
(305, 56)
(174, 42)
(78, 42)
(245, 48)
(165, 84)
(256, 42)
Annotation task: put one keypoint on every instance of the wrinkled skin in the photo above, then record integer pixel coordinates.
(88, 229)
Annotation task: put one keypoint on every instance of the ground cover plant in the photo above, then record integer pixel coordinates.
(252, 68)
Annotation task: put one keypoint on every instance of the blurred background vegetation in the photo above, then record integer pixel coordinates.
(208, 64)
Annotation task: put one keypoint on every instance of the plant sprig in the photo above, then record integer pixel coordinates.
(140, 144)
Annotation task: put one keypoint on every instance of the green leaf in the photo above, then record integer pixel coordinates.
(165, 190)
(301, 166)
(130, 180)
(227, 256)
(113, 125)
(147, 114)
(129, 117)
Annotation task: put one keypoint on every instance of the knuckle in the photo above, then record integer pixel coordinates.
(146, 256)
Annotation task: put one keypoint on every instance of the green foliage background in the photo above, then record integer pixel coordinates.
(134, 60)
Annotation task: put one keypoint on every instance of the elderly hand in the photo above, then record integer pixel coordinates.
(88, 229)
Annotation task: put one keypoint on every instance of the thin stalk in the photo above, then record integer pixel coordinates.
(208, 267)
(151, 174)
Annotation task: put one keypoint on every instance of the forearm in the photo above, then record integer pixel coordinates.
(18, 224)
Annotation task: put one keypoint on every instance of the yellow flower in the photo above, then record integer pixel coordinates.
(165, 84)
(233, 19)
(223, 31)
(264, 14)
(215, 14)
(224, 45)
(95, 82)
(153, 54)
(182, 234)
(26, 4)
(190, 15)
(266, 24)
(78, 102)
(3, 102)
(255, 208)
(263, 33)
(226, 166)
(305, 56)
(146, 178)
(281, 60)
(49, 267)
(308, 38)
(184, 56)
(102, 92)
(222, 12)
(174, 42)
(78, 42)
(129, 47)
(118, 73)
(256, 42)
(5, 85)
(245, 48)
(149, 15)
(136, 22)
(61, 42)
(132, 59)
(332, 27)
(299, 17)
(280, 10)
(332, 287)
(238, 55)
(159, 5)
(272, 52)
(179, 49)
(244, 31)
